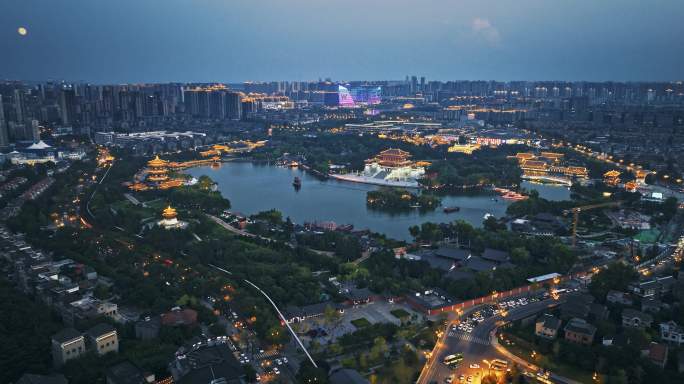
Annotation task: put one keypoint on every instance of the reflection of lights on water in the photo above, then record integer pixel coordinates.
(22, 31)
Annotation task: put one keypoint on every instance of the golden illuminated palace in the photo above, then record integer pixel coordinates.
(468, 149)
(157, 176)
(547, 164)
(612, 177)
(391, 158)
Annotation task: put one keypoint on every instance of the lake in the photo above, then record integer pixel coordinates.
(553, 192)
(252, 188)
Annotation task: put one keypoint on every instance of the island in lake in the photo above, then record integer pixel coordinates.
(400, 200)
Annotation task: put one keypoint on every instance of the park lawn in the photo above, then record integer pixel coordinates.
(523, 349)
(649, 236)
(400, 313)
(361, 323)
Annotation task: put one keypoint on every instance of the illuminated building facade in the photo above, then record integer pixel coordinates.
(611, 177)
(366, 94)
(345, 97)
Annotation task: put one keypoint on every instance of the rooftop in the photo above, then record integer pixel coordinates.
(100, 330)
(580, 326)
(66, 334)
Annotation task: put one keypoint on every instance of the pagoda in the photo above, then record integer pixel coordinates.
(170, 219)
(157, 170)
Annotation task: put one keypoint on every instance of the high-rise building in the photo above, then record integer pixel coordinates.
(233, 105)
(67, 104)
(18, 101)
(4, 136)
(414, 84)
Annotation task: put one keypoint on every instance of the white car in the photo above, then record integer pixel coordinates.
(279, 362)
(449, 379)
(285, 360)
(276, 370)
(475, 366)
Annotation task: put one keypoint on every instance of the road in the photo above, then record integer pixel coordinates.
(230, 227)
(476, 346)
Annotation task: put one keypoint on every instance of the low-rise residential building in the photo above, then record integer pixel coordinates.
(67, 344)
(636, 319)
(672, 333)
(617, 297)
(103, 338)
(29, 378)
(347, 376)
(295, 314)
(148, 328)
(127, 373)
(579, 331)
(651, 305)
(653, 287)
(657, 353)
(547, 327)
(576, 306)
(88, 307)
(177, 317)
(205, 363)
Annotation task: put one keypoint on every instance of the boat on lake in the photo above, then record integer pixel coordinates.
(451, 209)
(297, 182)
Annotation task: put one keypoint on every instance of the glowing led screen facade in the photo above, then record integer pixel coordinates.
(361, 94)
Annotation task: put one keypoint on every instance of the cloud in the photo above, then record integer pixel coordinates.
(484, 29)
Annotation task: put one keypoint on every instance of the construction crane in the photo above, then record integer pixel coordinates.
(576, 211)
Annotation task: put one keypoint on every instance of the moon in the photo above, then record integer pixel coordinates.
(22, 31)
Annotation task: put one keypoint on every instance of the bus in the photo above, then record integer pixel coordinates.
(453, 360)
(499, 365)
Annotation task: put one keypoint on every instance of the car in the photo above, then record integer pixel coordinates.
(279, 362)
(285, 360)
(258, 378)
(449, 379)
(261, 351)
(276, 370)
(475, 366)
(470, 378)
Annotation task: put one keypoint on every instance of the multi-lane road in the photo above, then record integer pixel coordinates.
(475, 346)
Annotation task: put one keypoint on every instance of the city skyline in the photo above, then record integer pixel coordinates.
(210, 41)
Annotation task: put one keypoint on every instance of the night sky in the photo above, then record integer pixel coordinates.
(117, 41)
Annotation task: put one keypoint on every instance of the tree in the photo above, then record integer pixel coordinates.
(331, 317)
(250, 372)
(378, 350)
(616, 277)
(308, 374)
(491, 224)
(414, 230)
(520, 255)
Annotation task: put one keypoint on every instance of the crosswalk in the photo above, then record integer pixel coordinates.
(266, 354)
(468, 337)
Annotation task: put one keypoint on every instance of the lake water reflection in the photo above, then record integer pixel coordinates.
(252, 188)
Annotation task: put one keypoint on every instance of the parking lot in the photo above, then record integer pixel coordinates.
(472, 320)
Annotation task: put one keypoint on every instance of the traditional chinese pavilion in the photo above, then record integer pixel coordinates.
(170, 219)
(392, 158)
